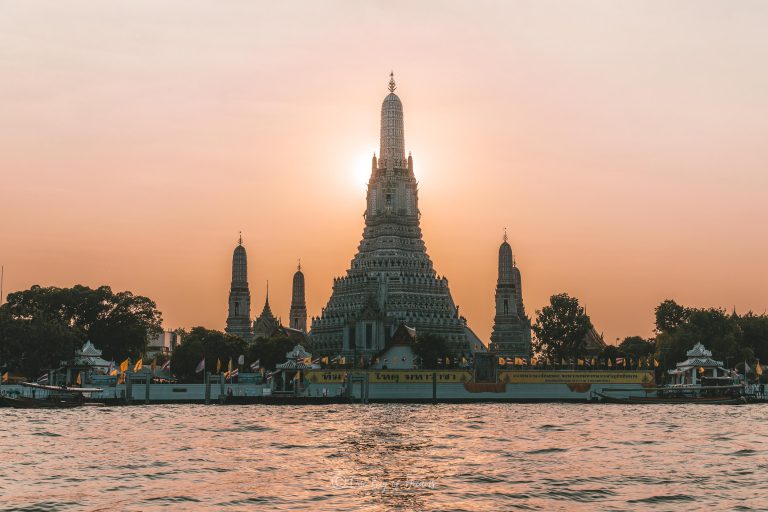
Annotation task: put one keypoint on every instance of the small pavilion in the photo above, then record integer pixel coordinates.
(698, 365)
(290, 379)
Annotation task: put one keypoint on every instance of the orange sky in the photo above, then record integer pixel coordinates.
(623, 145)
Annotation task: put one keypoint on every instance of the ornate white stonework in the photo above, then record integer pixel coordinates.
(391, 279)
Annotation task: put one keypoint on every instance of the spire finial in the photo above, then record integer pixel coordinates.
(505, 234)
(240, 240)
(392, 85)
(298, 267)
(267, 301)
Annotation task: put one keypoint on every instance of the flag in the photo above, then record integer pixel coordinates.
(218, 365)
(701, 369)
(296, 377)
(308, 360)
(580, 362)
(255, 365)
(229, 366)
(534, 361)
(587, 362)
(124, 365)
(501, 361)
(5, 377)
(200, 366)
(316, 361)
(241, 360)
(343, 360)
(121, 378)
(655, 363)
(111, 374)
(137, 367)
(153, 366)
(166, 365)
(563, 362)
(234, 373)
(78, 381)
(519, 361)
(610, 363)
(43, 379)
(758, 368)
(619, 361)
(594, 361)
(324, 360)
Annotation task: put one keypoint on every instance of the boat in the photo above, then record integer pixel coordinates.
(715, 395)
(50, 397)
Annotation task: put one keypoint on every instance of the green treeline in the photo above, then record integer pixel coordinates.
(41, 327)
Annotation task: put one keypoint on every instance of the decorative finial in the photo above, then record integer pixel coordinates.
(240, 241)
(392, 85)
(299, 265)
(267, 301)
(505, 234)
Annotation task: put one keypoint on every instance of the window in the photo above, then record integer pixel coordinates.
(506, 306)
(237, 308)
(368, 335)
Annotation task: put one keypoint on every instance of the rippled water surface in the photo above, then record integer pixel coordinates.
(380, 457)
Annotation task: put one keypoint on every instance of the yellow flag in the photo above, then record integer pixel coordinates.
(218, 365)
(655, 363)
(78, 381)
(121, 379)
(308, 360)
(5, 377)
(594, 361)
(229, 366)
(113, 372)
(343, 360)
(124, 365)
(610, 363)
(324, 360)
(534, 361)
(296, 377)
(139, 365)
(701, 369)
(581, 362)
(563, 361)
(758, 368)
(153, 366)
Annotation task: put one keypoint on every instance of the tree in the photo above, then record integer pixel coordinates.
(637, 346)
(669, 315)
(270, 351)
(561, 328)
(120, 324)
(429, 347)
(202, 343)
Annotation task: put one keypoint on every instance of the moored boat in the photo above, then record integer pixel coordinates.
(50, 397)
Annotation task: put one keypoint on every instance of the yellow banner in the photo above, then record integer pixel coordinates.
(391, 376)
(572, 377)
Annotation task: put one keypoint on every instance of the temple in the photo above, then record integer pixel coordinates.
(511, 334)
(239, 317)
(391, 280)
(298, 313)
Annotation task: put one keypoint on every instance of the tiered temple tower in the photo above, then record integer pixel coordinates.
(239, 317)
(391, 279)
(298, 314)
(511, 334)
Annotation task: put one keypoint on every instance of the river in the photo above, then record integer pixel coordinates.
(385, 457)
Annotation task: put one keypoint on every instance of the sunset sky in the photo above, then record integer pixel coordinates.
(623, 145)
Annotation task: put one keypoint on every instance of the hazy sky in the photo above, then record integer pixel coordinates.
(623, 145)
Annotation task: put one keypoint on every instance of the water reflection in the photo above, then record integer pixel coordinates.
(382, 457)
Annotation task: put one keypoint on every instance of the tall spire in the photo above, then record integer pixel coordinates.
(392, 143)
(239, 316)
(298, 313)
